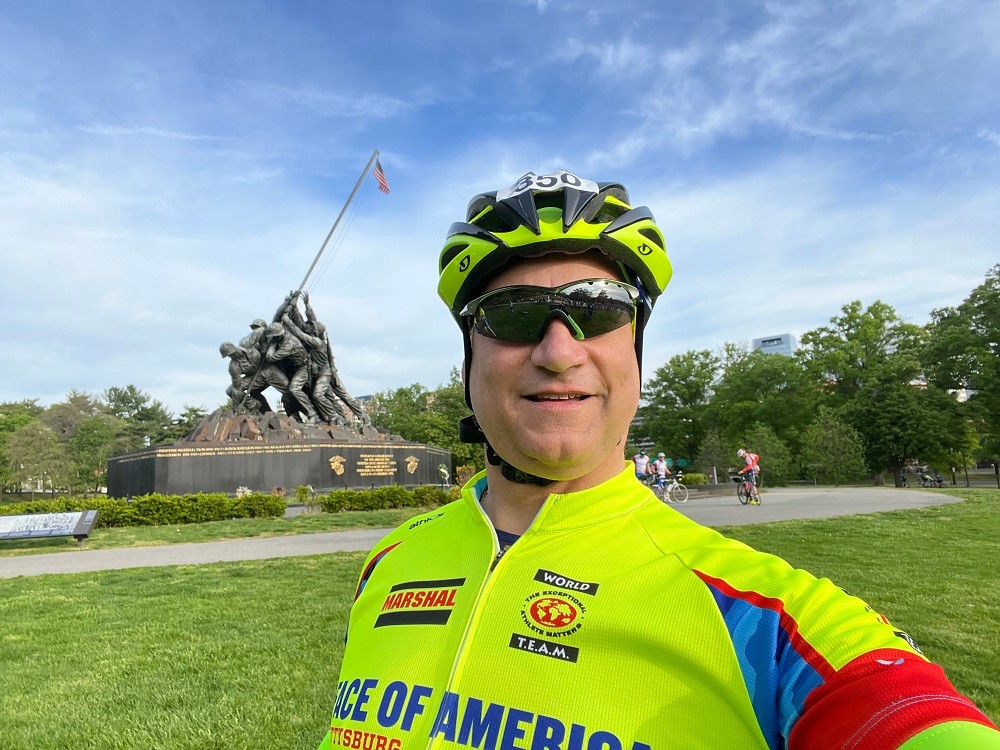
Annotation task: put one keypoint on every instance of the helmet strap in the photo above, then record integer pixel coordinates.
(470, 432)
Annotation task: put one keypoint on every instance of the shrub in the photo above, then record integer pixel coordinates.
(157, 509)
(694, 478)
(431, 495)
(381, 498)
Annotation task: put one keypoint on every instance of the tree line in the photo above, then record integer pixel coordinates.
(862, 396)
(66, 446)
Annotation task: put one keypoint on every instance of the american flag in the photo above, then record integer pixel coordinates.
(383, 184)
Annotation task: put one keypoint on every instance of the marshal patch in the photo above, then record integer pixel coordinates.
(420, 603)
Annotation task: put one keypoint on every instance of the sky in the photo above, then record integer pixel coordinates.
(169, 170)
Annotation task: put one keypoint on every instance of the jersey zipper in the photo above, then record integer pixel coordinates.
(484, 588)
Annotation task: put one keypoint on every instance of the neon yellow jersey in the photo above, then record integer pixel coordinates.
(615, 623)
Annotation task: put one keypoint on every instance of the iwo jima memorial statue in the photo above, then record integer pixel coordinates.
(322, 436)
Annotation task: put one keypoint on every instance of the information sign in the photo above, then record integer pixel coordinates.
(39, 525)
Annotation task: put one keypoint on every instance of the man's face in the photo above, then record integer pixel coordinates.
(516, 388)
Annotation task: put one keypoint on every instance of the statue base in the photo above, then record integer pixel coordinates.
(229, 451)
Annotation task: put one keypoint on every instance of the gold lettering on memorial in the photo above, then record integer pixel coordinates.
(376, 465)
(337, 464)
(411, 464)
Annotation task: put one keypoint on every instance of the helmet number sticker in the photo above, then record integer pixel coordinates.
(545, 183)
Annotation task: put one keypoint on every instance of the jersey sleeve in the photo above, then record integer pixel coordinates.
(821, 667)
(952, 735)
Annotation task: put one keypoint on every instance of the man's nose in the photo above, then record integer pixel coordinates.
(559, 348)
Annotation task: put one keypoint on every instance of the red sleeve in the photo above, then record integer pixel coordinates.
(877, 702)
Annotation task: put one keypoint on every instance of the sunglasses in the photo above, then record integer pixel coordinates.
(521, 314)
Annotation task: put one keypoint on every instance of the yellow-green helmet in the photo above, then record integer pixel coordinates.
(556, 212)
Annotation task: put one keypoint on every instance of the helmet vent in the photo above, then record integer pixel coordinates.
(653, 236)
(449, 255)
(608, 213)
(495, 221)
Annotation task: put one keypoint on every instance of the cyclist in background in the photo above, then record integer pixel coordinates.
(660, 469)
(641, 461)
(752, 469)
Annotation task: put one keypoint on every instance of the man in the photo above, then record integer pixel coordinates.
(284, 349)
(250, 378)
(558, 605)
(751, 469)
(641, 461)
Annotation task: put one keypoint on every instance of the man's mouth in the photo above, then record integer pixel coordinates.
(558, 397)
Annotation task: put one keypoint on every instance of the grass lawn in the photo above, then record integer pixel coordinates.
(212, 531)
(246, 654)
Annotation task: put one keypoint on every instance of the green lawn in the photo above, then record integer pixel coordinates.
(212, 531)
(246, 654)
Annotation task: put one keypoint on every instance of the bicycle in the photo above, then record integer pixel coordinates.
(672, 490)
(745, 490)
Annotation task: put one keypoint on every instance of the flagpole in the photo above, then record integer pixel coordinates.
(326, 242)
(339, 217)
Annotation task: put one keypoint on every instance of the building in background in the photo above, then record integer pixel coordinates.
(783, 343)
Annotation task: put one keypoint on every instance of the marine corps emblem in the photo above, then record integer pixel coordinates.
(411, 464)
(337, 464)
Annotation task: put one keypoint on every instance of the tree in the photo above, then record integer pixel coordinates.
(430, 417)
(13, 416)
(859, 345)
(776, 463)
(963, 351)
(675, 400)
(772, 389)
(898, 421)
(144, 418)
(185, 424)
(94, 441)
(66, 416)
(832, 450)
(35, 453)
(716, 453)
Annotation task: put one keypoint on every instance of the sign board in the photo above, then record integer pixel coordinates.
(41, 525)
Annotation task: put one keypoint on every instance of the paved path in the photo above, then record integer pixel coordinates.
(779, 504)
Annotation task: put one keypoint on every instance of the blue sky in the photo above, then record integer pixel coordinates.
(168, 170)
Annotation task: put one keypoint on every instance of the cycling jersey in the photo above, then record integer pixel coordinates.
(751, 460)
(680, 639)
(641, 461)
(660, 467)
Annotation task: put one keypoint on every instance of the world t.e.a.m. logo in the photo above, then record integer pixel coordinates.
(420, 603)
(553, 613)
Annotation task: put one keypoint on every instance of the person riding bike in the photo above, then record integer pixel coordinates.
(558, 604)
(660, 470)
(752, 469)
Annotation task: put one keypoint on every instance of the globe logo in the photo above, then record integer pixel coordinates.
(553, 612)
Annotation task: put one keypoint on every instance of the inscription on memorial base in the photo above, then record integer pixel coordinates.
(229, 450)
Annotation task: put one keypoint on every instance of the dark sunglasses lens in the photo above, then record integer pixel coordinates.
(517, 318)
(521, 316)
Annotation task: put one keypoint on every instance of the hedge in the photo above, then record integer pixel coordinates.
(159, 510)
(694, 478)
(381, 498)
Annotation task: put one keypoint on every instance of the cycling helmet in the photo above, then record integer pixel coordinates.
(557, 212)
(538, 215)
(741, 453)
(661, 455)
